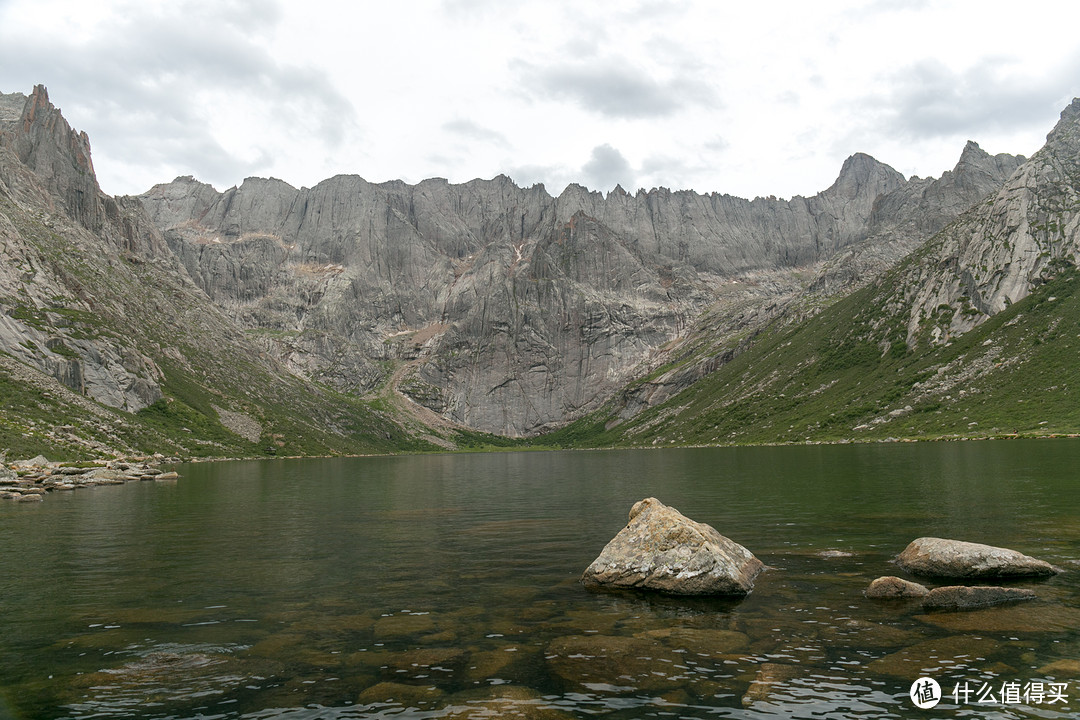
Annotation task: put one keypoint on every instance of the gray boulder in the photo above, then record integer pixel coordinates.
(661, 549)
(962, 597)
(938, 557)
(890, 587)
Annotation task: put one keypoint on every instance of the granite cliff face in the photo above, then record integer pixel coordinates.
(1004, 246)
(483, 305)
(108, 346)
(972, 334)
(45, 165)
(898, 222)
(904, 218)
(509, 310)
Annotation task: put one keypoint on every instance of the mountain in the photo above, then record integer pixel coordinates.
(973, 334)
(507, 310)
(354, 317)
(108, 347)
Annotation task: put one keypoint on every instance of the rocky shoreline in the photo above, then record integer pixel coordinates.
(31, 480)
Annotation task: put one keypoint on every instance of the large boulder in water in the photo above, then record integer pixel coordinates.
(937, 557)
(661, 549)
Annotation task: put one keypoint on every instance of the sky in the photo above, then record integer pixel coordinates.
(748, 99)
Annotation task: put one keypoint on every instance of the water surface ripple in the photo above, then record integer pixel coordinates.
(445, 586)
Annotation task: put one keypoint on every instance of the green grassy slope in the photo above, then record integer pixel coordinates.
(847, 374)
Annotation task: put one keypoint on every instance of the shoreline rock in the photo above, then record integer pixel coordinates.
(661, 549)
(939, 557)
(31, 480)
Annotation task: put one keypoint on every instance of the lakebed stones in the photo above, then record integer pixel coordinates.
(769, 677)
(938, 557)
(1008, 619)
(501, 701)
(962, 597)
(641, 663)
(417, 696)
(661, 549)
(934, 655)
(891, 587)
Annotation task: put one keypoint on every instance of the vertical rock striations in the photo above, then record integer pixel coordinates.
(501, 308)
(1004, 246)
(94, 306)
(49, 297)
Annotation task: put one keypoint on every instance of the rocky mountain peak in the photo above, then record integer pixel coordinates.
(45, 143)
(972, 153)
(11, 107)
(1005, 247)
(182, 199)
(861, 181)
(977, 171)
(44, 136)
(508, 310)
(1064, 139)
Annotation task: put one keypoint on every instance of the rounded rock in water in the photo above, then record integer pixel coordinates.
(938, 557)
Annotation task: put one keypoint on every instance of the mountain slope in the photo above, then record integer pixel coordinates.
(900, 221)
(107, 346)
(355, 317)
(974, 334)
(508, 310)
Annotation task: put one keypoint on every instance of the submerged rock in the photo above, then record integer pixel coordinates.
(1010, 618)
(890, 587)
(615, 663)
(399, 627)
(769, 676)
(938, 557)
(702, 642)
(418, 696)
(1061, 668)
(962, 597)
(424, 664)
(661, 549)
(505, 701)
(955, 652)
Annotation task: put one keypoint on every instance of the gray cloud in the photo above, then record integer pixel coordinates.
(140, 85)
(614, 88)
(928, 99)
(470, 130)
(607, 168)
(716, 144)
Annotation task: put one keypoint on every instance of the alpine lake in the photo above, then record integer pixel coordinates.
(447, 586)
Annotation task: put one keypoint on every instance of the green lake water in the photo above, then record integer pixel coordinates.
(447, 586)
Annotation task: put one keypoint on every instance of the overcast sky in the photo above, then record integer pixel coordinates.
(747, 99)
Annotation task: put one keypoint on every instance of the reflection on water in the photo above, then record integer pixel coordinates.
(446, 587)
